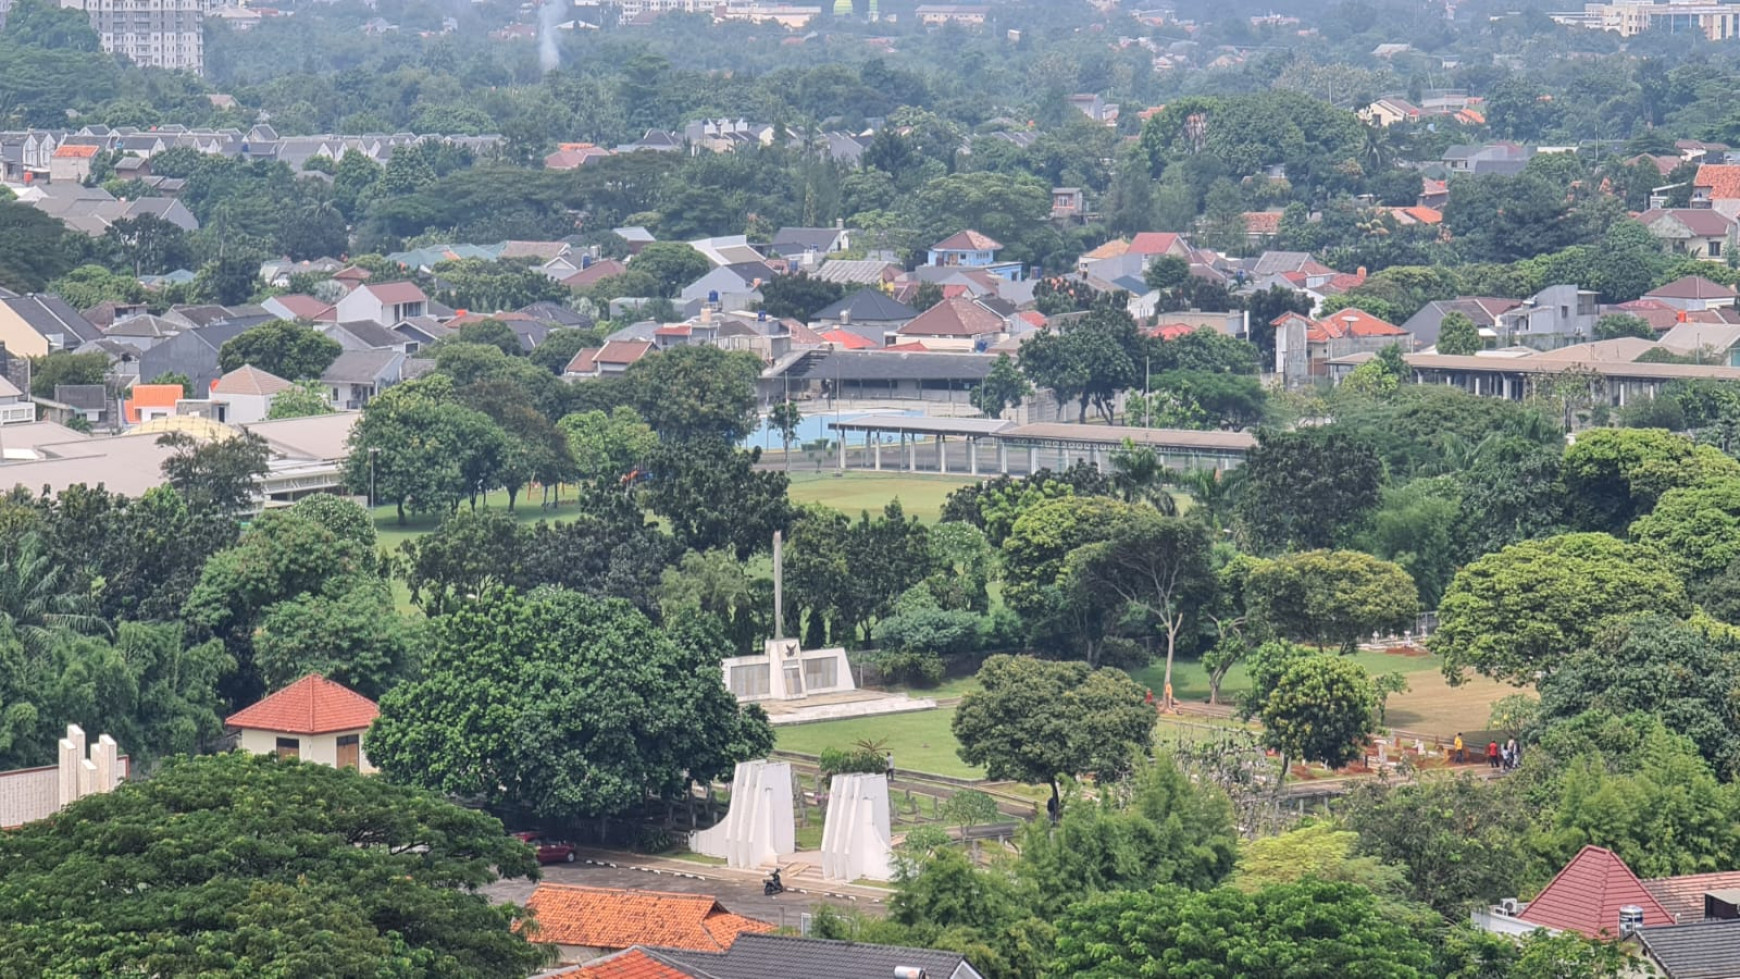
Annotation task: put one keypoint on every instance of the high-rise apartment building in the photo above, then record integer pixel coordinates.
(153, 33)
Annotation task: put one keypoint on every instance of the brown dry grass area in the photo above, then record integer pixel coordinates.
(1432, 706)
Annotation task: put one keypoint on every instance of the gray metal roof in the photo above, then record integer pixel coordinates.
(760, 956)
(876, 365)
(869, 306)
(1167, 438)
(51, 316)
(1698, 950)
(925, 426)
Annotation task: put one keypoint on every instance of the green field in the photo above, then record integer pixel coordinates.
(854, 492)
(1190, 680)
(921, 741)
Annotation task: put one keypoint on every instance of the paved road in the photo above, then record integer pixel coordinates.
(742, 896)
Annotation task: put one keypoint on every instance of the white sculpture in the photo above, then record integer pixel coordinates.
(856, 840)
(758, 828)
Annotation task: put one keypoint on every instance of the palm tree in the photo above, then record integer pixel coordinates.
(1213, 493)
(1138, 476)
(35, 601)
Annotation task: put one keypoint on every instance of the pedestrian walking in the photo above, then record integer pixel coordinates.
(1511, 754)
(1456, 749)
(1492, 754)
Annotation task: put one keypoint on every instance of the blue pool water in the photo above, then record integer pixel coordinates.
(815, 426)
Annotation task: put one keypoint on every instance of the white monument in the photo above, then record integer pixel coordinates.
(759, 827)
(29, 794)
(856, 840)
(785, 670)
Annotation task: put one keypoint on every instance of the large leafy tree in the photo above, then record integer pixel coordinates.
(1335, 597)
(1157, 565)
(1687, 675)
(1166, 830)
(1696, 528)
(672, 265)
(419, 449)
(713, 496)
(1458, 841)
(289, 350)
(568, 706)
(1312, 928)
(697, 392)
(607, 446)
(1458, 336)
(1517, 614)
(1062, 609)
(1301, 488)
(1039, 721)
(1321, 710)
(239, 864)
(1088, 362)
(1614, 475)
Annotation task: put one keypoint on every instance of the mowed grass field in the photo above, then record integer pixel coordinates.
(854, 492)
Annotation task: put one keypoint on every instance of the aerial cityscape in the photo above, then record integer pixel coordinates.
(851, 489)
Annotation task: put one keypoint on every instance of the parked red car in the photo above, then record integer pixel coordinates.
(548, 850)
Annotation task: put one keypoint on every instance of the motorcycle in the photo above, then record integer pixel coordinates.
(772, 885)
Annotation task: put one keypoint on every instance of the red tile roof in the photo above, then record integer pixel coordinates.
(968, 241)
(1692, 287)
(1111, 249)
(311, 705)
(631, 964)
(848, 340)
(1262, 222)
(75, 152)
(623, 351)
(1684, 896)
(954, 317)
(1698, 220)
(1350, 322)
(908, 347)
(1722, 179)
(1153, 243)
(1033, 317)
(1171, 331)
(601, 917)
(250, 380)
(303, 306)
(1586, 897)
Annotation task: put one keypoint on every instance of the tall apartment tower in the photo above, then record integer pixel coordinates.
(151, 33)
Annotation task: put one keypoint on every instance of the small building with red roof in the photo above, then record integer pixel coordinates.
(1596, 895)
(1304, 346)
(313, 719)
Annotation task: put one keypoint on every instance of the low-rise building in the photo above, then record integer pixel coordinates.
(314, 720)
(584, 923)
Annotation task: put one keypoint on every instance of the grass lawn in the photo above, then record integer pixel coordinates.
(921, 496)
(1190, 680)
(921, 741)
(392, 535)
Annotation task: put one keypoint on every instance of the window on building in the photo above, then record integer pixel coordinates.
(349, 751)
(289, 748)
(751, 681)
(1715, 249)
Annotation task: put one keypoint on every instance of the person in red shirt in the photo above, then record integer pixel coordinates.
(1492, 754)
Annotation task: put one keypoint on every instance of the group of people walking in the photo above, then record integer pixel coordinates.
(1502, 758)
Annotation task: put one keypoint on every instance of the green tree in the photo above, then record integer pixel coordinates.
(560, 346)
(798, 296)
(1456, 840)
(786, 416)
(1683, 674)
(1089, 362)
(1321, 710)
(1458, 336)
(289, 350)
(1038, 721)
(590, 708)
(1302, 487)
(88, 285)
(1694, 529)
(1004, 387)
(48, 372)
(605, 446)
(697, 392)
(1469, 953)
(355, 638)
(1313, 851)
(970, 807)
(1163, 829)
(1516, 614)
(1158, 565)
(415, 447)
(672, 265)
(1612, 476)
(219, 479)
(300, 401)
(1309, 928)
(362, 878)
(1419, 527)
(1062, 609)
(713, 496)
(1616, 325)
(1334, 597)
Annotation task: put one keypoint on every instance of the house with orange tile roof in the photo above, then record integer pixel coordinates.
(71, 164)
(1596, 895)
(584, 923)
(313, 719)
(957, 323)
(146, 402)
(974, 250)
(1689, 897)
(1717, 186)
(610, 360)
(1304, 346)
